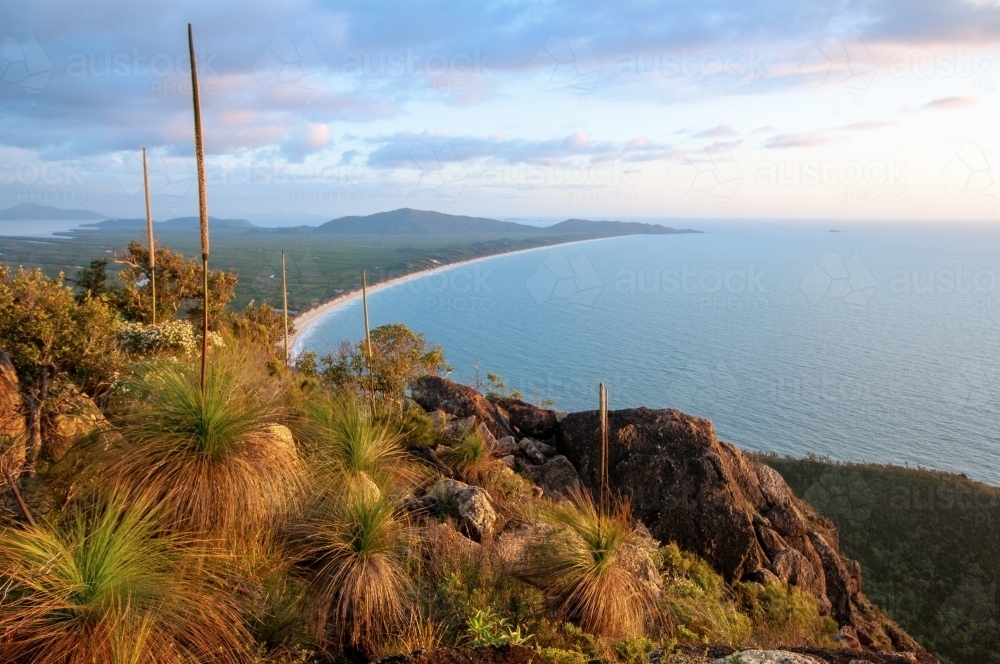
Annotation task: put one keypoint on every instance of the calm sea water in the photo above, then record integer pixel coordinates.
(871, 344)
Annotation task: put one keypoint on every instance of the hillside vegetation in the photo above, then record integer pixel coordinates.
(929, 544)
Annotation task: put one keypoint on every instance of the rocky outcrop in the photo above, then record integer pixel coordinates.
(76, 417)
(436, 393)
(686, 486)
(12, 422)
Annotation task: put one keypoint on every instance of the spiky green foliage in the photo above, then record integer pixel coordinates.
(360, 589)
(473, 457)
(354, 447)
(105, 587)
(584, 568)
(215, 462)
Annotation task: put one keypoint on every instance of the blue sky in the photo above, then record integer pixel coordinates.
(879, 109)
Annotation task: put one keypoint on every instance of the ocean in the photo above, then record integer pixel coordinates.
(875, 343)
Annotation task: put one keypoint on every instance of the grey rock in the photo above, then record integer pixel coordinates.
(507, 445)
(509, 461)
(767, 657)
(531, 450)
(556, 477)
(477, 517)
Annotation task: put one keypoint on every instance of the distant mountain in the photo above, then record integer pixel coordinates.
(177, 225)
(407, 221)
(418, 222)
(36, 212)
(586, 227)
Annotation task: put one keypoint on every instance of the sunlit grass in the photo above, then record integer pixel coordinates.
(105, 587)
(473, 457)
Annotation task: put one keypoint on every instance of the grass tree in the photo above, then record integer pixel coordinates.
(360, 589)
(214, 458)
(587, 568)
(354, 447)
(105, 586)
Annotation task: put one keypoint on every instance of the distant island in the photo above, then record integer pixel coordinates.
(36, 212)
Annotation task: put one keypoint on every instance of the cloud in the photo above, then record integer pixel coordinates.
(397, 149)
(719, 131)
(866, 126)
(950, 102)
(804, 140)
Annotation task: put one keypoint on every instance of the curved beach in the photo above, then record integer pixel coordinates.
(305, 321)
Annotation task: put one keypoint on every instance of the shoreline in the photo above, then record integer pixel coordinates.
(308, 319)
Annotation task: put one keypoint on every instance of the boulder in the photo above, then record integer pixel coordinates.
(507, 445)
(78, 417)
(791, 566)
(476, 515)
(436, 393)
(512, 544)
(529, 420)
(556, 477)
(12, 423)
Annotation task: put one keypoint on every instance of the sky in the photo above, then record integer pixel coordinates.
(787, 110)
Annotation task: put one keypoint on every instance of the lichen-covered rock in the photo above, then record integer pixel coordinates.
(476, 515)
(532, 451)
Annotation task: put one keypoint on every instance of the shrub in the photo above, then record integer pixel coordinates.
(105, 588)
(486, 628)
(583, 570)
(172, 336)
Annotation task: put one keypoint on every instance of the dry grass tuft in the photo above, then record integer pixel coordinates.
(354, 448)
(473, 458)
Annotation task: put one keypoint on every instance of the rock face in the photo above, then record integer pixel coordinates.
(766, 657)
(557, 477)
(435, 393)
(12, 423)
(688, 487)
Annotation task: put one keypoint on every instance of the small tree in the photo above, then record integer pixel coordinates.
(48, 333)
(178, 286)
(258, 325)
(399, 356)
